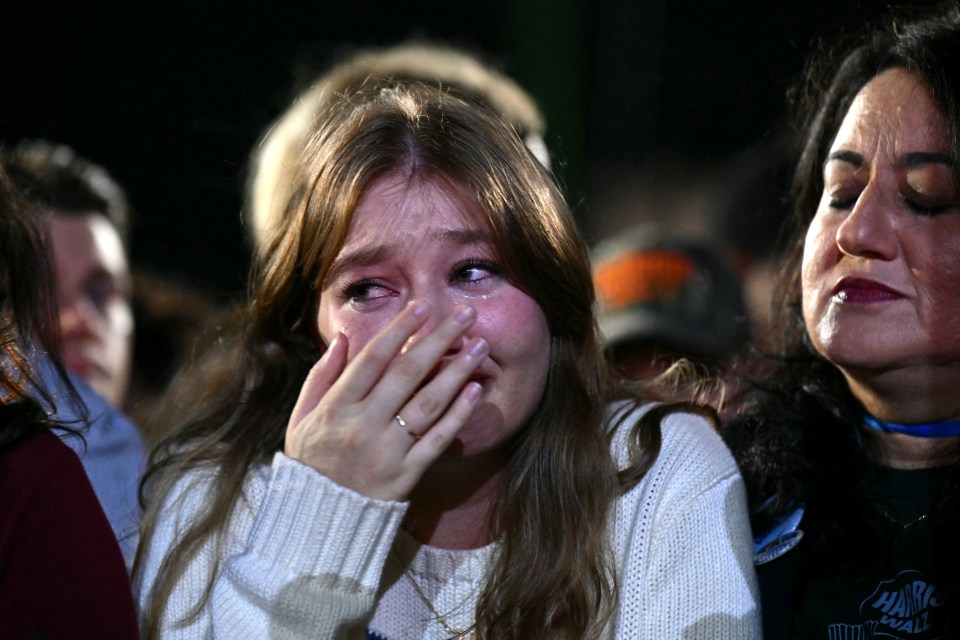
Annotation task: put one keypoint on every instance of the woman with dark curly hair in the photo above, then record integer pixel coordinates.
(851, 448)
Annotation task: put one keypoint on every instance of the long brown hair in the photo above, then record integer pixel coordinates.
(553, 574)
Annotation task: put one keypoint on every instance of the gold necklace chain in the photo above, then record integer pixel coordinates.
(900, 522)
(464, 634)
(906, 524)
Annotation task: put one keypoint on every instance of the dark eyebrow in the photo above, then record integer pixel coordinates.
(920, 158)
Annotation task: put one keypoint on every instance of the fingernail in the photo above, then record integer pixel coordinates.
(419, 308)
(464, 314)
(473, 391)
(479, 348)
(333, 343)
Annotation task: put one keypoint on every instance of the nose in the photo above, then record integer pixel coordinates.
(868, 230)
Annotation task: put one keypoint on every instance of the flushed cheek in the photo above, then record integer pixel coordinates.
(359, 329)
(521, 350)
(518, 327)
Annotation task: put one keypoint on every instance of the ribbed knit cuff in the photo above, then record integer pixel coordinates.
(313, 526)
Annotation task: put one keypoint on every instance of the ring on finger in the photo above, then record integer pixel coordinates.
(403, 424)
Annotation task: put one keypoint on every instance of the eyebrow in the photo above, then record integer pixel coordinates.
(850, 157)
(910, 160)
(927, 157)
(362, 257)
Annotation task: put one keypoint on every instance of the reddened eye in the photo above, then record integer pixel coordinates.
(364, 291)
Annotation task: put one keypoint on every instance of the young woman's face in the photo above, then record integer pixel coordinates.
(881, 265)
(423, 239)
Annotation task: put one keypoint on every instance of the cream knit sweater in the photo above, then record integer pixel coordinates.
(681, 538)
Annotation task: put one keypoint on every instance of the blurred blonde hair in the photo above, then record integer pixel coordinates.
(273, 163)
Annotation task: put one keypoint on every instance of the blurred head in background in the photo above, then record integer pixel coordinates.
(275, 160)
(666, 296)
(87, 217)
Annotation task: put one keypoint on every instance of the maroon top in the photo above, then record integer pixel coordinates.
(61, 572)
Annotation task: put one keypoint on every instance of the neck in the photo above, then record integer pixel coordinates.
(906, 398)
(910, 395)
(901, 451)
(452, 505)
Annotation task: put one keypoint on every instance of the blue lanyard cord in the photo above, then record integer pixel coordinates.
(943, 429)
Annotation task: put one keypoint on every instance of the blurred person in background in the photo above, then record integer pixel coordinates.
(172, 317)
(748, 212)
(62, 574)
(86, 216)
(667, 297)
(275, 160)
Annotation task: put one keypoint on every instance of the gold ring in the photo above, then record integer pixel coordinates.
(403, 424)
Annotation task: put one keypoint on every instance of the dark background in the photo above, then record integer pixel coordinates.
(171, 98)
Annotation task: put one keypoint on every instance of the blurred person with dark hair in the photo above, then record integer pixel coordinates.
(61, 572)
(86, 216)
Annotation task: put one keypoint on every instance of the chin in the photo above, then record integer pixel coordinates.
(486, 434)
(865, 357)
